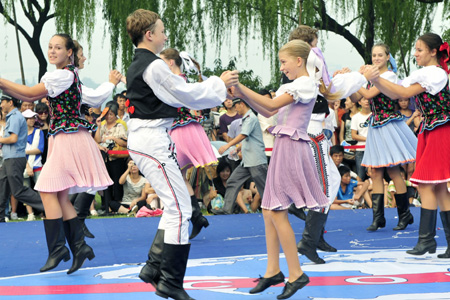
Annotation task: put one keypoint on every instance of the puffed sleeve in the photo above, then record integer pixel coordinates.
(303, 89)
(391, 76)
(96, 97)
(57, 81)
(431, 78)
(174, 91)
(348, 83)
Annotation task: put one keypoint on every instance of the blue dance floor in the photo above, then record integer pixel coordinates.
(226, 258)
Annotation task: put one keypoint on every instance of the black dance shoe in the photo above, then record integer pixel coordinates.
(291, 288)
(264, 283)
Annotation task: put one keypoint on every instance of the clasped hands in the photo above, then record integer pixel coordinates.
(371, 72)
(231, 80)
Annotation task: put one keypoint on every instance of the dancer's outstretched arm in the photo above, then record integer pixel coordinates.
(390, 89)
(23, 92)
(263, 105)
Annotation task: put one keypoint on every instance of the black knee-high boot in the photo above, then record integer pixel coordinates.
(378, 212)
(427, 231)
(323, 245)
(75, 237)
(86, 231)
(173, 268)
(298, 212)
(56, 243)
(404, 215)
(311, 235)
(445, 217)
(81, 203)
(197, 219)
(150, 273)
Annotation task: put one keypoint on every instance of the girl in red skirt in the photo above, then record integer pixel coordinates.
(430, 86)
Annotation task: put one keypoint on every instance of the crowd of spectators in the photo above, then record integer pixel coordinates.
(345, 126)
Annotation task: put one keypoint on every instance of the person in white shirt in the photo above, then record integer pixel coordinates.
(359, 133)
(154, 93)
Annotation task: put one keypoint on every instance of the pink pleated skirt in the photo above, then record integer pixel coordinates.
(292, 177)
(73, 162)
(193, 146)
(433, 156)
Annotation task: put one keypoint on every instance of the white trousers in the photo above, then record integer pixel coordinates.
(154, 153)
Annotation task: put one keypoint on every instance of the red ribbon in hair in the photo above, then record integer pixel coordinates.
(443, 61)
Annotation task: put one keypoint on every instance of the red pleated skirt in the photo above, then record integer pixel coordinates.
(433, 156)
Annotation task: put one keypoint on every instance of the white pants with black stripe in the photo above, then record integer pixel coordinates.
(154, 153)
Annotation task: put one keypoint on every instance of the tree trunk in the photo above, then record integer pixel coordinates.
(370, 32)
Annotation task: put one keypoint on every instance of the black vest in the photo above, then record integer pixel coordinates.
(321, 105)
(143, 103)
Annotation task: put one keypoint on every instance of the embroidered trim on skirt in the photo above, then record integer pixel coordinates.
(329, 176)
(73, 162)
(390, 145)
(433, 156)
(292, 177)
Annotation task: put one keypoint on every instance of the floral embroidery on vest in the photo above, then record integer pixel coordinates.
(184, 114)
(65, 108)
(383, 110)
(435, 109)
(184, 117)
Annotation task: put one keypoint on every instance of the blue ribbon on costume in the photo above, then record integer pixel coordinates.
(393, 63)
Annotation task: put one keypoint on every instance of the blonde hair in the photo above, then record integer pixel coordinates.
(299, 48)
(139, 22)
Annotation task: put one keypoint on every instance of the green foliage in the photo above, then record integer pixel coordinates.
(76, 18)
(246, 77)
(189, 22)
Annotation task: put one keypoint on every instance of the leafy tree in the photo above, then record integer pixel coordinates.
(78, 15)
(397, 23)
(246, 77)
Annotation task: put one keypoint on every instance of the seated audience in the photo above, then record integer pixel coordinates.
(346, 197)
(133, 185)
(337, 155)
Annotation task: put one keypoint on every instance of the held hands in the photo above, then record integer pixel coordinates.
(342, 71)
(230, 78)
(115, 77)
(372, 73)
(363, 68)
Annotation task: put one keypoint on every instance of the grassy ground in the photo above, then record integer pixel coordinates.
(98, 204)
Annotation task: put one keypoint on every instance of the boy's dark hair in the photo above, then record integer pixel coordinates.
(117, 96)
(336, 149)
(343, 170)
